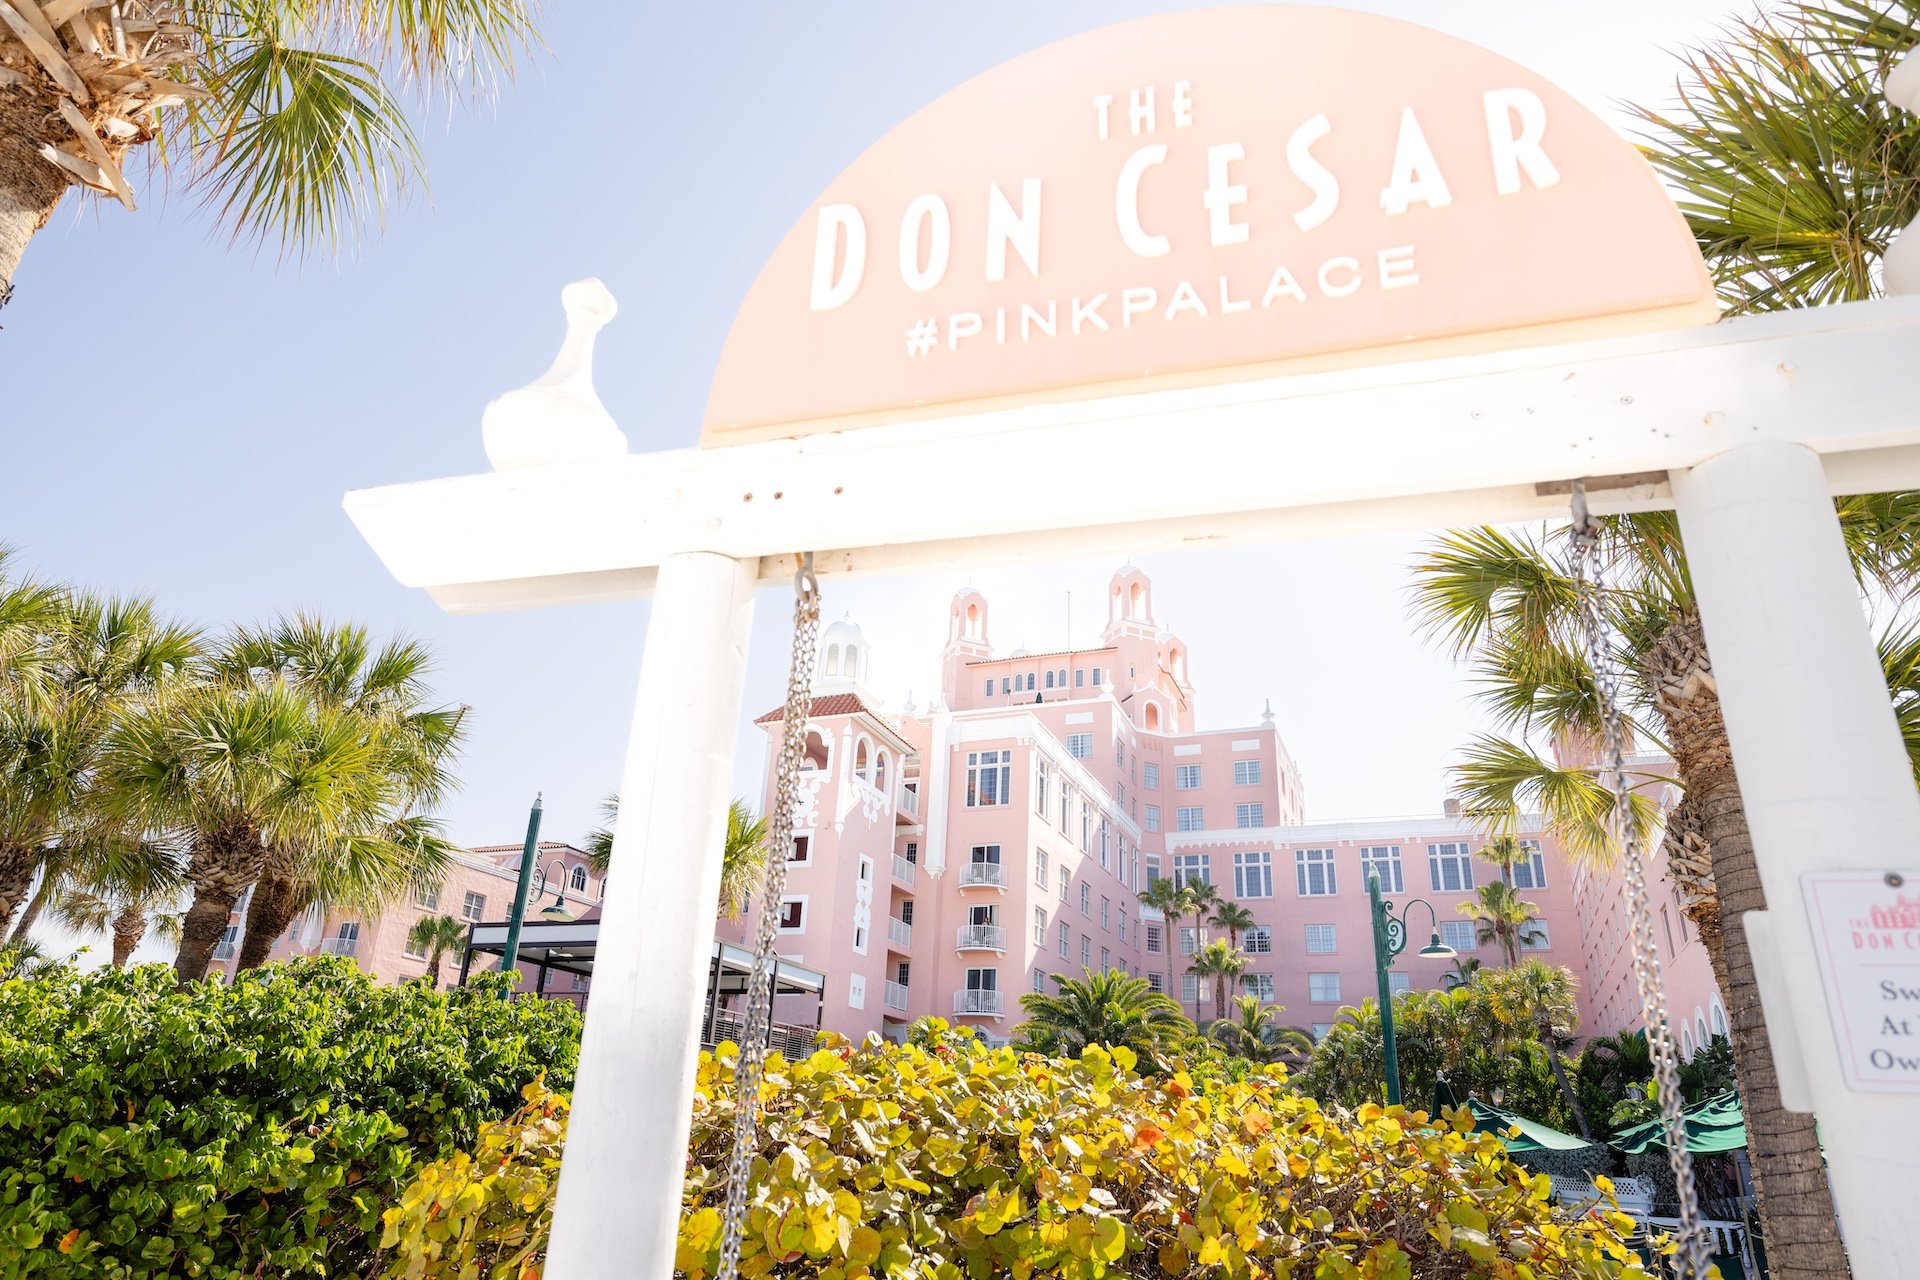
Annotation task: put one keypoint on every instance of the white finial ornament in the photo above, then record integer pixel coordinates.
(1266, 717)
(558, 417)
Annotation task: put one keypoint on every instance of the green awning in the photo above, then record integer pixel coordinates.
(1533, 1135)
(1717, 1124)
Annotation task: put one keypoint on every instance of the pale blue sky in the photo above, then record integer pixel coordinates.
(184, 418)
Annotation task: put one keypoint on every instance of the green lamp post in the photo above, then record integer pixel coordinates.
(510, 956)
(1389, 940)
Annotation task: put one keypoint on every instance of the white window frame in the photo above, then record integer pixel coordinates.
(1086, 899)
(1253, 873)
(1257, 941)
(1042, 782)
(1150, 776)
(1251, 813)
(1257, 985)
(989, 771)
(1190, 817)
(473, 906)
(1040, 868)
(1040, 926)
(1531, 872)
(1450, 856)
(1315, 873)
(1383, 858)
(1465, 936)
(1323, 988)
(1188, 867)
(1186, 777)
(1322, 939)
(793, 900)
(1153, 817)
(1246, 773)
(1155, 934)
(1080, 746)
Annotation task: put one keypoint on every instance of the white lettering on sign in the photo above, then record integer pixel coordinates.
(1866, 933)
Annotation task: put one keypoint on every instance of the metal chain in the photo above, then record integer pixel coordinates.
(750, 1066)
(1588, 589)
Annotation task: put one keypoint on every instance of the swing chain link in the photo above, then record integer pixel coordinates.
(750, 1065)
(1589, 590)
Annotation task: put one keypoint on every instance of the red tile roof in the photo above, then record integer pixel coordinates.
(834, 704)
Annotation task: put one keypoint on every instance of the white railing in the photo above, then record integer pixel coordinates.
(226, 951)
(983, 873)
(340, 947)
(902, 870)
(980, 1002)
(909, 801)
(895, 996)
(981, 937)
(899, 932)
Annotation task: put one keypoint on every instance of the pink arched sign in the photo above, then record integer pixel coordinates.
(1203, 197)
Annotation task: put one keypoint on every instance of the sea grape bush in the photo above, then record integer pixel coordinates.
(257, 1128)
(954, 1161)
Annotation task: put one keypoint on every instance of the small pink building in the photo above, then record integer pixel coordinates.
(948, 859)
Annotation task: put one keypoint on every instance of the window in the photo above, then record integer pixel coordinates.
(1150, 776)
(1123, 924)
(1187, 818)
(577, 880)
(1049, 678)
(1030, 679)
(1190, 988)
(1257, 941)
(1040, 867)
(802, 849)
(793, 915)
(1382, 860)
(1398, 984)
(1189, 940)
(1040, 926)
(1086, 899)
(1250, 815)
(473, 906)
(988, 778)
(1314, 870)
(1066, 804)
(580, 982)
(860, 939)
(1006, 685)
(427, 898)
(1086, 952)
(1156, 983)
(1153, 817)
(1106, 842)
(1458, 934)
(1086, 824)
(1531, 871)
(412, 950)
(1039, 982)
(1191, 868)
(1066, 883)
(983, 979)
(1154, 936)
(1042, 779)
(984, 853)
(1080, 679)
(1320, 940)
(1534, 936)
(1080, 746)
(913, 851)
(1106, 913)
(1106, 960)
(989, 686)
(1246, 773)
(1186, 777)
(1064, 939)
(1253, 874)
(1257, 985)
(1320, 1030)
(1096, 677)
(1451, 868)
(1323, 988)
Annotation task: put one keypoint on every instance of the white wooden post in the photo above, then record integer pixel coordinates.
(1827, 786)
(619, 1197)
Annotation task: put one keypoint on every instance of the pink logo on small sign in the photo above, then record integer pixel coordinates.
(1866, 934)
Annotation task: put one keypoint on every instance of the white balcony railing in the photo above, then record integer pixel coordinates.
(226, 951)
(978, 1002)
(981, 937)
(983, 873)
(340, 947)
(899, 932)
(909, 801)
(902, 870)
(896, 996)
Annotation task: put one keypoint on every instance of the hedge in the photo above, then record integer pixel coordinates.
(222, 1131)
(944, 1162)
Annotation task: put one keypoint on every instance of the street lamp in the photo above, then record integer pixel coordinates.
(510, 954)
(1389, 940)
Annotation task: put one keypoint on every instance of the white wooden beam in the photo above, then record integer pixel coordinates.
(1439, 443)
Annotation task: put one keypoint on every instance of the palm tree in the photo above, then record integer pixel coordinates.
(283, 116)
(1540, 998)
(1505, 852)
(1234, 918)
(1108, 1009)
(386, 689)
(1223, 963)
(743, 858)
(1503, 917)
(1201, 898)
(433, 937)
(1253, 1031)
(1170, 900)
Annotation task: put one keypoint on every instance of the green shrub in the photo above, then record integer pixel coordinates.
(948, 1160)
(222, 1131)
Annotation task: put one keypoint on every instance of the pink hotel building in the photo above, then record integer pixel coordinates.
(946, 861)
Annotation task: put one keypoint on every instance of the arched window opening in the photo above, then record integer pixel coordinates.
(853, 661)
(1049, 679)
(816, 752)
(1153, 717)
(1719, 1017)
(863, 761)
(1700, 1029)
(880, 771)
(833, 659)
(1686, 1041)
(578, 880)
(973, 622)
(1137, 602)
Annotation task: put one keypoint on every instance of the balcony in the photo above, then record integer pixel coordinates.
(895, 996)
(974, 875)
(978, 1004)
(340, 947)
(909, 802)
(981, 937)
(226, 951)
(903, 870)
(899, 933)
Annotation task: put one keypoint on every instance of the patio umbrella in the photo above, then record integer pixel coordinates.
(1716, 1124)
(1532, 1136)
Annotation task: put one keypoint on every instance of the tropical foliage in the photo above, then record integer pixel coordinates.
(1108, 1009)
(285, 118)
(1502, 918)
(1253, 1030)
(435, 937)
(1220, 963)
(956, 1161)
(232, 1130)
(743, 855)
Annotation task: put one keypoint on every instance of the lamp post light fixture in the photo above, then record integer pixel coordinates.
(1389, 940)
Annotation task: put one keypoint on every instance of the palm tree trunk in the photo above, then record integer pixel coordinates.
(225, 862)
(276, 900)
(1797, 1217)
(16, 878)
(128, 928)
(34, 907)
(1545, 1026)
(30, 187)
(433, 969)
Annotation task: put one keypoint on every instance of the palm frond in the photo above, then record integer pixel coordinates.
(1501, 782)
(1472, 583)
